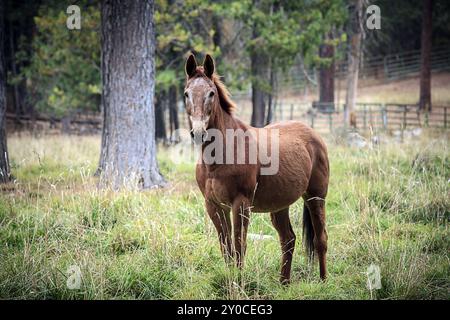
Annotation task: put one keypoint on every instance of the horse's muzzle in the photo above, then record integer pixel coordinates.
(199, 137)
(198, 132)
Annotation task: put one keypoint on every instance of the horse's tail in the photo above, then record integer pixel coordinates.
(308, 233)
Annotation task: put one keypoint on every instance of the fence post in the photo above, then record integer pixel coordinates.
(365, 116)
(330, 115)
(445, 117)
(405, 110)
(384, 116)
(312, 120)
(386, 70)
(292, 112)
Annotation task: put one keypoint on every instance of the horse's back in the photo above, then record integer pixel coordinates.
(296, 133)
(302, 130)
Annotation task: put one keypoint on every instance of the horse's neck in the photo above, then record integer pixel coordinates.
(224, 121)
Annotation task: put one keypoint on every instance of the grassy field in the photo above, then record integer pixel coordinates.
(387, 206)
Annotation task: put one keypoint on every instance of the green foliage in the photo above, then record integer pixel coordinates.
(63, 73)
(285, 30)
(62, 67)
(284, 33)
(181, 27)
(320, 19)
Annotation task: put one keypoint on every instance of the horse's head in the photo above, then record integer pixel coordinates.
(201, 96)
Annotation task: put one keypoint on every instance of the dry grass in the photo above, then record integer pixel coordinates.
(387, 205)
(406, 91)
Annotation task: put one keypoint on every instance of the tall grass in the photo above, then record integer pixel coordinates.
(388, 205)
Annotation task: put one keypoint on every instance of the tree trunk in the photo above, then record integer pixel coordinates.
(128, 155)
(271, 95)
(259, 72)
(425, 69)
(19, 29)
(326, 77)
(160, 125)
(217, 37)
(17, 108)
(173, 113)
(4, 161)
(353, 63)
(259, 69)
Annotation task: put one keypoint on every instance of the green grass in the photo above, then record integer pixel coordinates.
(387, 205)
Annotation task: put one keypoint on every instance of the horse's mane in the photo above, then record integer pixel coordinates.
(224, 95)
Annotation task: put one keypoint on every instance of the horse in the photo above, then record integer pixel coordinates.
(240, 188)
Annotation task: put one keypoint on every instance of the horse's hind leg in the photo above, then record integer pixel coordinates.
(316, 207)
(314, 223)
(282, 224)
(221, 220)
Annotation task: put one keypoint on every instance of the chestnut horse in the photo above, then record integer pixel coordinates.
(241, 188)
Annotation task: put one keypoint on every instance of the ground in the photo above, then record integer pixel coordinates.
(402, 91)
(387, 205)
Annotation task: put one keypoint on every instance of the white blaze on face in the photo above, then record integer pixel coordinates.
(200, 99)
(199, 127)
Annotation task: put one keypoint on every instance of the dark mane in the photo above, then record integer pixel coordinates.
(224, 95)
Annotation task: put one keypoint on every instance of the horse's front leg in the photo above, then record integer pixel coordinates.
(241, 218)
(221, 220)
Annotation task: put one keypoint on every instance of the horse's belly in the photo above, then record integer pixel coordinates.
(278, 191)
(274, 193)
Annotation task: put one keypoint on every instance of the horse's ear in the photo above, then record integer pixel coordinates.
(208, 66)
(191, 66)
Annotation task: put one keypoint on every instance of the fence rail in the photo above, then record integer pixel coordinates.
(374, 116)
(389, 67)
(81, 123)
(369, 116)
(396, 66)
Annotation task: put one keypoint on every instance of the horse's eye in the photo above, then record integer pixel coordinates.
(186, 95)
(211, 94)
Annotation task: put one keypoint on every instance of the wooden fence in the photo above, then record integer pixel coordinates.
(369, 116)
(79, 123)
(386, 68)
(374, 116)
